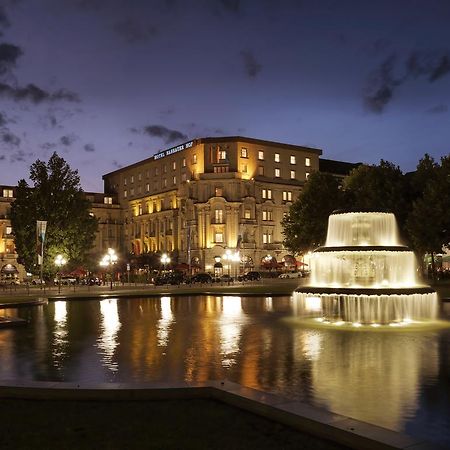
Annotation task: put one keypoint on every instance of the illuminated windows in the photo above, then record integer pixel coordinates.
(260, 170)
(218, 216)
(292, 174)
(260, 155)
(267, 215)
(194, 158)
(266, 193)
(287, 196)
(244, 152)
(277, 172)
(218, 191)
(307, 175)
(308, 162)
(293, 160)
(218, 237)
(277, 157)
(247, 214)
(107, 200)
(267, 238)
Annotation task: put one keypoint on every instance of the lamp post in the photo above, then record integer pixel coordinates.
(165, 259)
(108, 261)
(59, 262)
(230, 257)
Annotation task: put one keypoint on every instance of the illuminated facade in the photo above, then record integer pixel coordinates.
(211, 194)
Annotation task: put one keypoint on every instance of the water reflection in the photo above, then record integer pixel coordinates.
(109, 328)
(391, 379)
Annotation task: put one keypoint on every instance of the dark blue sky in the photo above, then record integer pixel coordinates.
(106, 83)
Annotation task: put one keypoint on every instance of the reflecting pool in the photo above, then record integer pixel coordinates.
(399, 380)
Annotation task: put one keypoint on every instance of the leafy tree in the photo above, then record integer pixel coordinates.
(305, 226)
(56, 196)
(378, 188)
(428, 223)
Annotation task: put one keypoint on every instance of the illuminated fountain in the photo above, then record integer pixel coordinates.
(364, 276)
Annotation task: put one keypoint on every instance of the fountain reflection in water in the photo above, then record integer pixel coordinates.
(364, 276)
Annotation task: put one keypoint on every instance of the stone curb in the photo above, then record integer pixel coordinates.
(300, 416)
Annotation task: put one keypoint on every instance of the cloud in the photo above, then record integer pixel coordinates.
(48, 145)
(132, 31)
(252, 67)
(382, 83)
(233, 6)
(438, 109)
(35, 94)
(68, 139)
(89, 148)
(162, 132)
(9, 138)
(9, 54)
(116, 164)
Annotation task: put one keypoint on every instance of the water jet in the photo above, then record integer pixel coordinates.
(363, 275)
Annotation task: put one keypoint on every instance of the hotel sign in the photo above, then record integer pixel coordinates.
(173, 150)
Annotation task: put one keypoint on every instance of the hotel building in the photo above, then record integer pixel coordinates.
(200, 198)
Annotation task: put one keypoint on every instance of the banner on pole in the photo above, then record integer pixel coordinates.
(41, 228)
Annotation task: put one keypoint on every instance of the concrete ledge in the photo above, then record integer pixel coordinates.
(302, 417)
(37, 302)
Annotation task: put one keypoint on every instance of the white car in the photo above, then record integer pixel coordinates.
(290, 275)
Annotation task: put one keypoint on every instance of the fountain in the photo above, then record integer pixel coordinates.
(364, 276)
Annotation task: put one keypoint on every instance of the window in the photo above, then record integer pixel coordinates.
(124, 181)
(260, 155)
(277, 173)
(194, 158)
(147, 173)
(244, 168)
(277, 157)
(147, 187)
(140, 209)
(308, 162)
(267, 215)
(222, 154)
(139, 176)
(131, 191)
(287, 196)
(247, 214)
(165, 168)
(266, 193)
(8, 193)
(132, 179)
(183, 163)
(8, 230)
(218, 191)
(174, 180)
(164, 182)
(174, 165)
(260, 170)
(218, 237)
(292, 174)
(293, 160)
(218, 216)
(125, 194)
(107, 200)
(307, 175)
(244, 152)
(267, 238)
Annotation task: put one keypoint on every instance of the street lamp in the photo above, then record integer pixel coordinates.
(59, 262)
(230, 257)
(108, 261)
(165, 259)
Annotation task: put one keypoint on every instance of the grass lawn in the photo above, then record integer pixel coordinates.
(172, 424)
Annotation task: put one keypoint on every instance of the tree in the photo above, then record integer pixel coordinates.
(378, 188)
(305, 226)
(56, 196)
(428, 223)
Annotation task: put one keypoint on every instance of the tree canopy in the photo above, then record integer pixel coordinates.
(420, 202)
(56, 197)
(305, 226)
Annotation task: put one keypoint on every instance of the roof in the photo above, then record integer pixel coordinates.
(336, 167)
(210, 140)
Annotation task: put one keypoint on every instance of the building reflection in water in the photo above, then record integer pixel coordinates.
(109, 328)
(164, 322)
(231, 322)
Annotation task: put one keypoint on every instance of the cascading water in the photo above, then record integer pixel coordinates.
(364, 276)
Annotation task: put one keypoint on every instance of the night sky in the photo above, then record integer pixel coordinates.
(107, 83)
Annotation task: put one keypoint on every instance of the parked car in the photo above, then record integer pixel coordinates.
(173, 278)
(37, 281)
(202, 278)
(250, 276)
(225, 278)
(290, 275)
(65, 281)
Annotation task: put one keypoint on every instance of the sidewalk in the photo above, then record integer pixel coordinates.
(265, 287)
